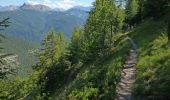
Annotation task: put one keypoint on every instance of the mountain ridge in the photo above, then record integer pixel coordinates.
(40, 7)
(25, 20)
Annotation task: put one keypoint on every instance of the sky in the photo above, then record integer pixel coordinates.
(64, 4)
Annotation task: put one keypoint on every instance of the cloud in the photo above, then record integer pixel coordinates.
(62, 4)
(34, 2)
(65, 4)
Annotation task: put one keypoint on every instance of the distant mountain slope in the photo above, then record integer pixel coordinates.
(31, 24)
(40, 7)
(8, 8)
(22, 48)
(88, 8)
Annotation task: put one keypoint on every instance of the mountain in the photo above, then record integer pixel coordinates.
(58, 9)
(27, 6)
(31, 22)
(41, 7)
(8, 8)
(83, 8)
(38, 7)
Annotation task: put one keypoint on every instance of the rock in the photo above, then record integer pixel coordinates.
(124, 88)
(8, 64)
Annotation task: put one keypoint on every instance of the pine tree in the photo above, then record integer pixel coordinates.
(4, 23)
(132, 8)
(131, 11)
(141, 10)
(99, 28)
(76, 45)
(168, 28)
(53, 46)
(155, 8)
(119, 20)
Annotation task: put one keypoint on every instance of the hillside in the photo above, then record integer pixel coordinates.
(152, 80)
(122, 52)
(22, 48)
(99, 79)
(25, 20)
(30, 23)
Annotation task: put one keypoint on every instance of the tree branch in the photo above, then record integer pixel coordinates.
(4, 23)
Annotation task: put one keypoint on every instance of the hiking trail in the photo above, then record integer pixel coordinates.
(124, 89)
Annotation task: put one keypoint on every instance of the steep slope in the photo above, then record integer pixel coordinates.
(98, 80)
(153, 67)
(95, 80)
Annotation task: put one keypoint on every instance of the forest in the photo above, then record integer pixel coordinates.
(119, 36)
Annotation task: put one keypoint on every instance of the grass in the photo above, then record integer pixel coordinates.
(153, 77)
(96, 80)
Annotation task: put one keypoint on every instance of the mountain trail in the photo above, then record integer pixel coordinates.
(124, 90)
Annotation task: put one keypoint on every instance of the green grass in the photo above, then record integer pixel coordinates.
(153, 67)
(98, 80)
(22, 48)
(95, 80)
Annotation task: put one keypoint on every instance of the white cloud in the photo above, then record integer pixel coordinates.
(62, 4)
(34, 2)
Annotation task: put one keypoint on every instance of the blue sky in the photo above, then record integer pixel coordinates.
(65, 4)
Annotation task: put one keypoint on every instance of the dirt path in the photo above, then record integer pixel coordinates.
(124, 88)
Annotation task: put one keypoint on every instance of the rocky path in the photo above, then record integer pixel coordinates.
(125, 86)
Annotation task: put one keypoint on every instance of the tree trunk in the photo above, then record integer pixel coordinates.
(168, 27)
(168, 19)
(111, 33)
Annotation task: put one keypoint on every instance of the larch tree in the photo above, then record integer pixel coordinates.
(99, 28)
(53, 46)
(168, 29)
(119, 19)
(131, 11)
(76, 45)
(155, 8)
(4, 23)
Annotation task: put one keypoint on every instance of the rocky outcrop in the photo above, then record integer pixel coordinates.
(8, 64)
(38, 7)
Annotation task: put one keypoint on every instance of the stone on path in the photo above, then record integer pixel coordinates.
(125, 86)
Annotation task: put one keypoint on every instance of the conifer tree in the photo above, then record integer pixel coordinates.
(132, 8)
(53, 46)
(76, 45)
(155, 8)
(99, 28)
(120, 17)
(4, 23)
(131, 11)
(168, 29)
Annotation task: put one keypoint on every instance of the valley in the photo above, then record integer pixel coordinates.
(29, 25)
(109, 50)
(32, 23)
